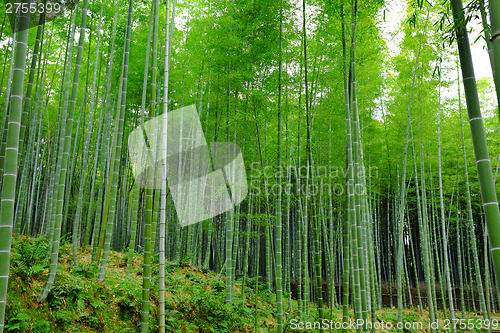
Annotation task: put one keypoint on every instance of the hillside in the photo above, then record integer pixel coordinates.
(194, 298)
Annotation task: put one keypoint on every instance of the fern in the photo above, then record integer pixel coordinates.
(18, 323)
(30, 257)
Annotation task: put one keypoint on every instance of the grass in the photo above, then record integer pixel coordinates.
(194, 299)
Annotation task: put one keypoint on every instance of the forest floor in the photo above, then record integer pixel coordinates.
(194, 299)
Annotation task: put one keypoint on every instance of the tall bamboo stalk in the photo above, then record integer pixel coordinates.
(444, 233)
(9, 176)
(76, 224)
(64, 159)
(402, 204)
(483, 164)
(279, 257)
(470, 222)
(350, 216)
(110, 207)
(146, 275)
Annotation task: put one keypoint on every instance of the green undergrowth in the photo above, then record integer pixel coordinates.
(195, 298)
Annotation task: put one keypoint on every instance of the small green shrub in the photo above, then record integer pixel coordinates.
(63, 318)
(86, 272)
(91, 321)
(128, 308)
(218, 285)
(42, 326)
(252, 283)
(18, 323)
(61, 295)
(30, 257)
(193, 277)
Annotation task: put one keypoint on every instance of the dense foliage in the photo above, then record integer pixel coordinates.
(351, 118)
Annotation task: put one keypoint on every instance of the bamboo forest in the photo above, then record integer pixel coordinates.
(249, 166)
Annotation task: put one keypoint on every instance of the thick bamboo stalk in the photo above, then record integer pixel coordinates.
(11, 155)
(483, 164)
